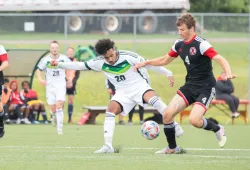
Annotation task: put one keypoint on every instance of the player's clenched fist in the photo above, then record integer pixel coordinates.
(53, 63)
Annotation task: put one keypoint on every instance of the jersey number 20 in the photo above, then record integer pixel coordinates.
(120, 78)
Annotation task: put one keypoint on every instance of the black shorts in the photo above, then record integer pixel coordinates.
(72, 90)
(202, 96)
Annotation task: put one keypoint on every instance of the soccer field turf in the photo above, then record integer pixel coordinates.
(27, 147)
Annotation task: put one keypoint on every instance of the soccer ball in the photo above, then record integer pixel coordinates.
(150, 130)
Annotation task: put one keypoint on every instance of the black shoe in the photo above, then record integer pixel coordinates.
(121, 122)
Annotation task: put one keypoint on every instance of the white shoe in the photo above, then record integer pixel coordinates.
(53, 120)
(178, 130)
(105, 149)
(177, 150)
(26, 121)
(18, 121)
(59, 132)
(221, 136)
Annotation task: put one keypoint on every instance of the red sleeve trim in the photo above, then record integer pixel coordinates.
(210, 53)
(3, 57)
(172, 53)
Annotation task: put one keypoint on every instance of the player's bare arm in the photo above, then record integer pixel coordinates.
(161, 61)
(225, 66)
(39, 76)
(162, 70)
(4, 65)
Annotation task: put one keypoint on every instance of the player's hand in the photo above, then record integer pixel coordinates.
(53, 63)
(69, 84)
(171, 81)
(227, 77)
(43, 82)
(110, 91)
(139, 65)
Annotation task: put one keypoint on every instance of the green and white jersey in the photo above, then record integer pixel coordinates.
(54, 76)
(121, 74)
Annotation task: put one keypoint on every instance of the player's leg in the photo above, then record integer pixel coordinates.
(59, 116)
(43, 112)
(60, 98)
(141, 113)
(151, 97)
(119, 103)
(130, 116)
(51, 100)
(1, 119)
(71, 93)
(196, 116)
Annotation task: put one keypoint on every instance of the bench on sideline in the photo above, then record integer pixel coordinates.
(96, 110)
(222, 106)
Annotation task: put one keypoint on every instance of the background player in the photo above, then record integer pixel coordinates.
(55, 83)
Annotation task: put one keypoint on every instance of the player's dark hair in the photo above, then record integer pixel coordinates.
(25, 82)
(102, 46)
(187, 19)
(6, 80)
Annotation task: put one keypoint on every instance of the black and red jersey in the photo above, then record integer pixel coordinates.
(3, 57)
(196, 55)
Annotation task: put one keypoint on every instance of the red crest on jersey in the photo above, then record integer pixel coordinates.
(192, 51)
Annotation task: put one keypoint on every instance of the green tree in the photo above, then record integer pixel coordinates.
(227, 6)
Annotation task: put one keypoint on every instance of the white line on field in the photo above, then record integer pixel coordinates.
(126, 148)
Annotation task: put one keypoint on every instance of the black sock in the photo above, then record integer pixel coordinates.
(210, 125)
(70, 110)
(169, 131)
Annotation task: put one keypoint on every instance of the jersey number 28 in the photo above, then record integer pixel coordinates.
(56, 73)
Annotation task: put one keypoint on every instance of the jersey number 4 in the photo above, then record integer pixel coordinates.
(187, 60)
(56, 73)
(120, 78)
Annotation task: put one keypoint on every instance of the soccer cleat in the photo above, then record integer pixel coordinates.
(221, 136)
(177, 150)
(59, 132)
(53, 120)
(105, 149)
(178, 130)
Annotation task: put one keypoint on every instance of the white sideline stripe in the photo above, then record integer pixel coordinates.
(126, 148)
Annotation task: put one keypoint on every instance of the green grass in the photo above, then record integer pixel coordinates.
(26, 147)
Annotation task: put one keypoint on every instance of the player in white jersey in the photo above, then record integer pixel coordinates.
(131, 87)
(55, 84)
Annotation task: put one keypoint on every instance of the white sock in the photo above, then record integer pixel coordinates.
(109, 127)
(157, 103)
(59, 119)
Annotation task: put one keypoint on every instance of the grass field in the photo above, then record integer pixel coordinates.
(26, 147)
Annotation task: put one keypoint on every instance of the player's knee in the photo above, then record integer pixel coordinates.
(195, 122)
(167, 117)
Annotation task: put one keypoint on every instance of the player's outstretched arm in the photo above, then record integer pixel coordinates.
(164, 71)
(161, 61)
(72, 65)
(224, 65)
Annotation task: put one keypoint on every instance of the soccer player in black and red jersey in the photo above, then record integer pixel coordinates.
(3, 64)
(199, 88)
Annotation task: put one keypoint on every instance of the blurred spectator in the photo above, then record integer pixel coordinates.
(71, 88)
(30, 98)
(131, 113)
(111, 90)
(17, 106)
(224, 91)
(6, 93)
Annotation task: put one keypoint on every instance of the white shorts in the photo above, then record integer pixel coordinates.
(54, 94)
(128, 100)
